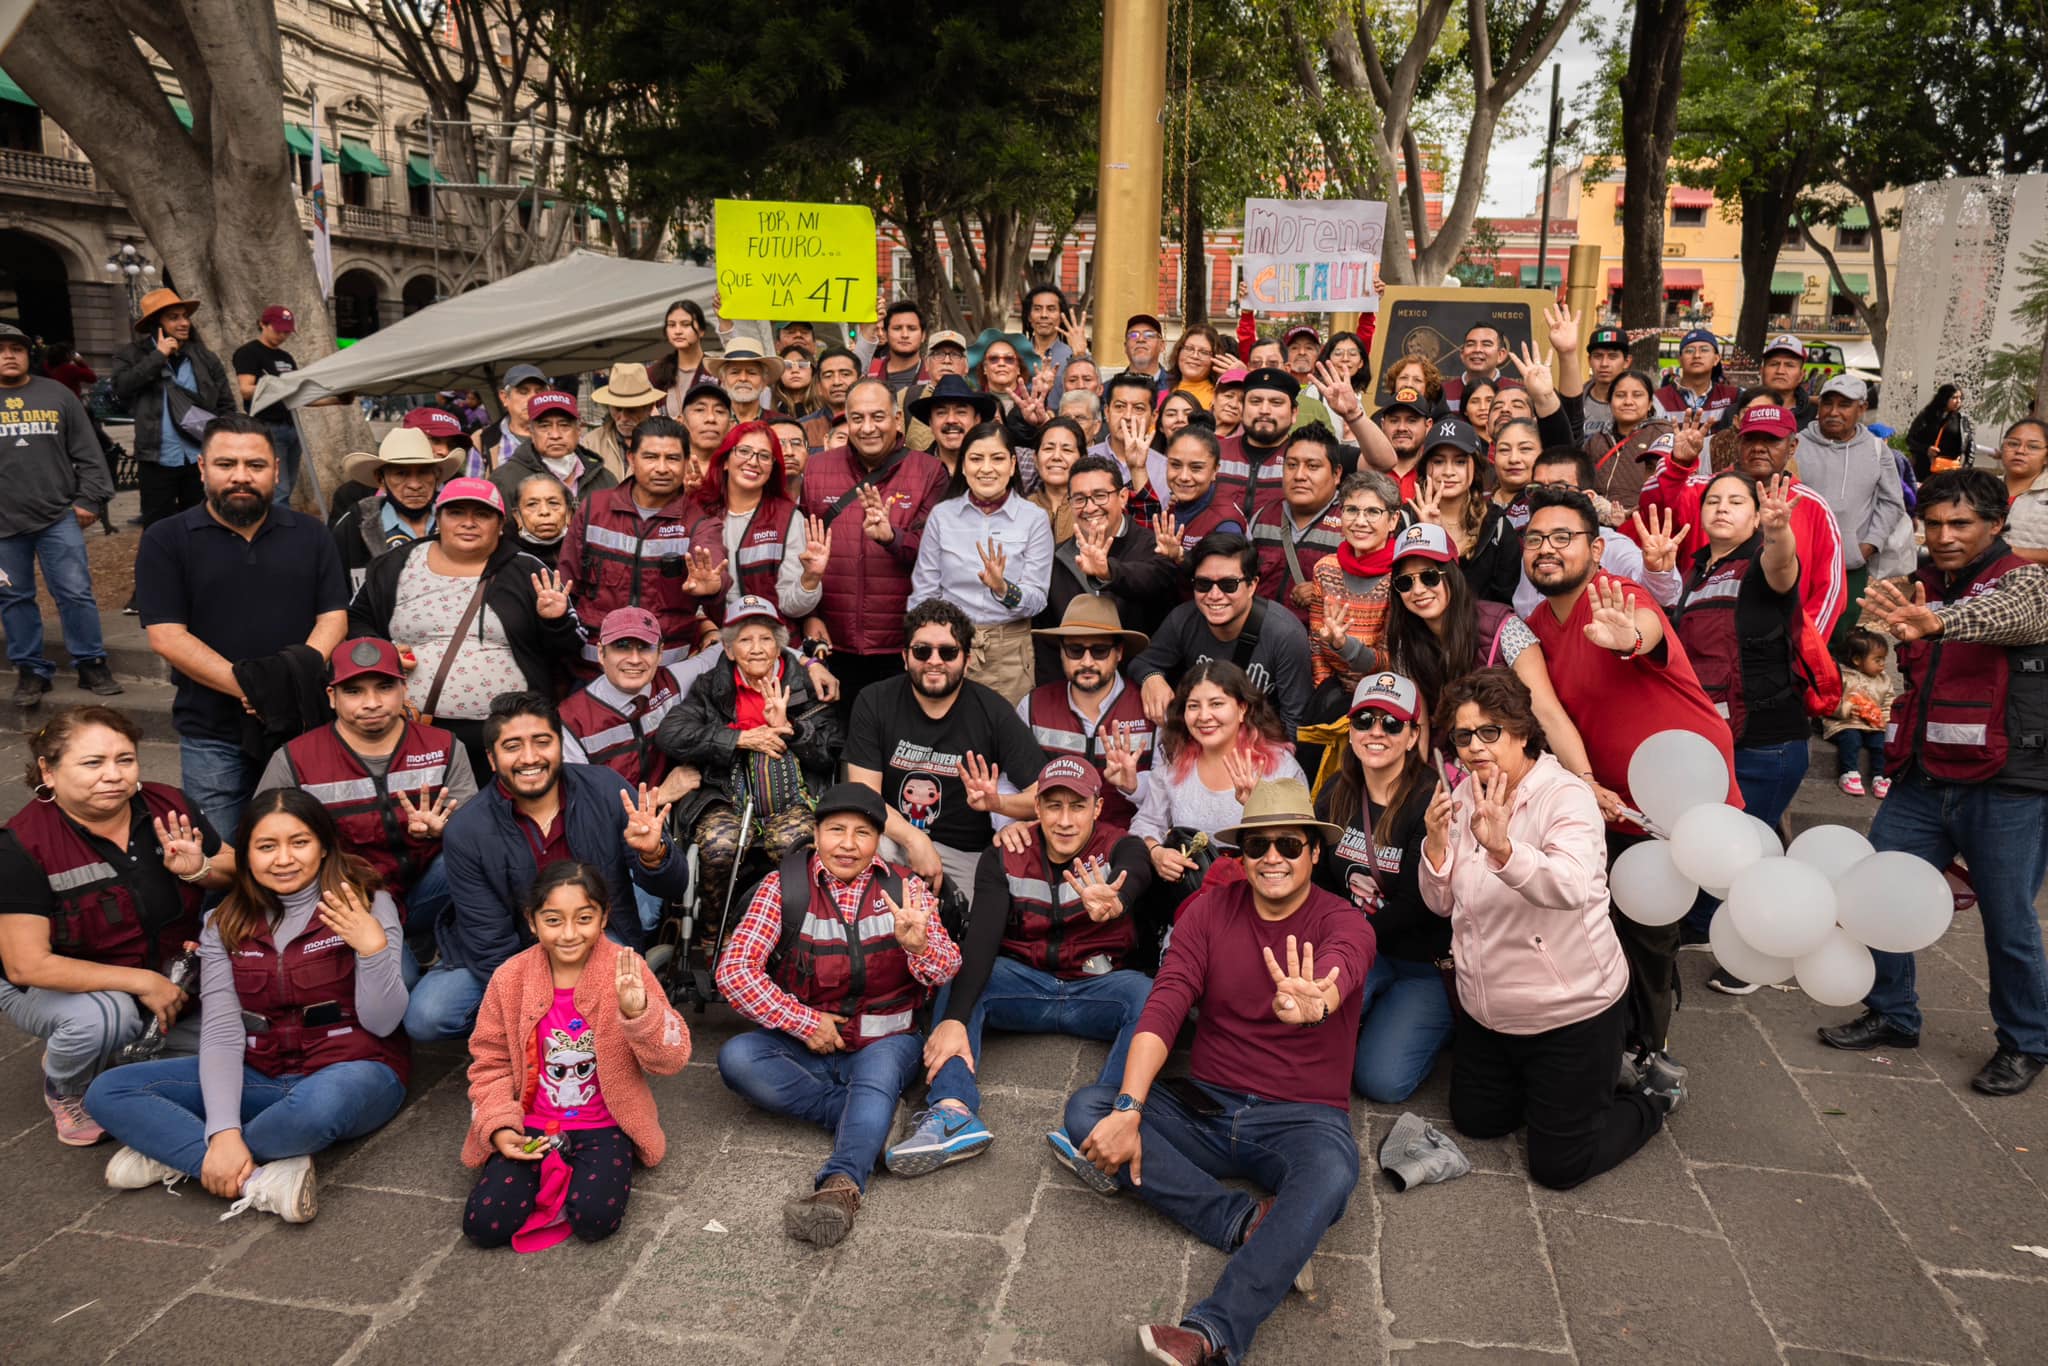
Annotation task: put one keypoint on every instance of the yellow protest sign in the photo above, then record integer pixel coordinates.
(781, 260)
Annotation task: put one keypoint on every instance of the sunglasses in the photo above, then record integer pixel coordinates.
(1367, 719)
(1290, 846)
(923, 653)
(1485, 735)
(1428, 578)
(1224, 586)
(1078, 649)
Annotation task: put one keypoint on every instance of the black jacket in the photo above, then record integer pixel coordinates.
(698, 730)
(1494, 568)
(525, 462)
(1144, 585)
(536, 642)
(141, 376)
(359, 537)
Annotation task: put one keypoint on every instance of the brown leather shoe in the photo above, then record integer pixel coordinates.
(824, 1216)
(1175, 1345)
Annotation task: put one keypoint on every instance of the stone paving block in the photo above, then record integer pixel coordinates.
(230, 1332)
(703, 1117)
(1827, 1268)
(1742, 1107)
(1652, 1185)
(48, 1186)
(1037, 1062)
(360, 1251)
(1339, 1322)
(1957, 1043)
(419, 1151)
(985, 1194)
(187, 1215)
(78, 1297)
(1693, 970)
(1791, 1019)
(2010, 1313)
(750, 1281)
(1900, 1133)
(498, 1306)
(1432, 1240)
(1459, 1354)
(1062, 1306)
(633, 1347)
(1616, 1280)
(1952, 979)
(954, 1280)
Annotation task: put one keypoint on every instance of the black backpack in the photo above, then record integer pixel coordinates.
(796, 902)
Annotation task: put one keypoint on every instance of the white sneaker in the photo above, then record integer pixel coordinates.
(128, 1170)
(284, 1188)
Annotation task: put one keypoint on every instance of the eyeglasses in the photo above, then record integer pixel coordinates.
(1362, 514)
(752, 455)
(1485, 735)
(922, 653)
(1428, 578)
(1556, 540)
(1141, 334)
(1087, 649)
(1223, 586)
(1093, 500)
(1257, 846)
(1369, 718)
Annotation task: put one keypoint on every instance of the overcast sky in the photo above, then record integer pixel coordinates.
(1514, 179)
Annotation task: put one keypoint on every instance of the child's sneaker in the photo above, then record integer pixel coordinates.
(284, 1188)
(1882, 787)
(1852, 783)
(129, 1170)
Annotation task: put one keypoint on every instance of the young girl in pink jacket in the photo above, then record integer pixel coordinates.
(1518, 860)
(559, 1103)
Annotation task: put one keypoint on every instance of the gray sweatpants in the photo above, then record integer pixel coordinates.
(958, 863)
(83, 1030)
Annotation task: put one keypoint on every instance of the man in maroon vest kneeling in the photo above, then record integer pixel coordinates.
(1044, 954)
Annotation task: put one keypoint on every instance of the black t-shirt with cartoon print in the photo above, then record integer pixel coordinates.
(919, 758)
(1384, 880)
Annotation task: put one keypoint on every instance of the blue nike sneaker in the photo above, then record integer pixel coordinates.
(937, 1137)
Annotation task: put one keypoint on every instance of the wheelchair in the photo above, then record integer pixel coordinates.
(685, 948)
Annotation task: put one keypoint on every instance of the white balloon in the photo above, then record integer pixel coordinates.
(1782, 907)
(1648, 888)
(1712, 843)
(1767, 838)
(1674, 771)
(1838, 973)
(1895, 902)
(1732, 952)
(1834, 849)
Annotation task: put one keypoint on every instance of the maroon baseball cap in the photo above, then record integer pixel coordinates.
(366, 656)
(435, 422)
(552, 401)
(1767, 419)
(1075, 775)
(1300, 330)
(629, 623)
(278, 318)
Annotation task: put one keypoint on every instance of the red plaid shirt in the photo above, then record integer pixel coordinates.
(742, 968)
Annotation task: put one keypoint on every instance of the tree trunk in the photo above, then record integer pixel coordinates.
(1194, 261)
(219, 203)
(2039, 407)
(1649, 126)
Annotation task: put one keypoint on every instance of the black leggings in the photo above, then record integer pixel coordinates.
(601, 1161)
(1561, 1083)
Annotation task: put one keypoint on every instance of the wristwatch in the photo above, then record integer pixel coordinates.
(1127, 1102)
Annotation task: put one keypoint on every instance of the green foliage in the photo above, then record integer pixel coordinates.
(2005, 391)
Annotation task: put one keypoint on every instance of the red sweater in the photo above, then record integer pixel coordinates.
(1215, 962)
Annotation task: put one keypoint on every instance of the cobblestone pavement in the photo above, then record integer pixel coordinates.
(1804, 1207)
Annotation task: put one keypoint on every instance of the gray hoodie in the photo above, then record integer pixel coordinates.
(1859, 481)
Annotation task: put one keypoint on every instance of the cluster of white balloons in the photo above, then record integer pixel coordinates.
(1813, 911)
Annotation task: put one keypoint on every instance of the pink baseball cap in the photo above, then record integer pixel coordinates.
(629, 623)
(1233, 378)
(435, 422)
(1767, 419)
(1075, 775)
(471, 491)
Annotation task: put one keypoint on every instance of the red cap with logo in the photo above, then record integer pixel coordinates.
(552, 401)
(366, 656)
(1075, 775)
(629, 623)
(279, 319)
(1767, 419)
(435, 422)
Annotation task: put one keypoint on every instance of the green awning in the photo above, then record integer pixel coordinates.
(1787, 282)
(1856, 218)
(298, 139)
(595, 212)
(12, 93)
(358, 159)
(183, 111)
(1553, 276)
(1859, 285)
(420, 171)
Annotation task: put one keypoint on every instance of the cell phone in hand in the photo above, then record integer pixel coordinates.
(1443, 770)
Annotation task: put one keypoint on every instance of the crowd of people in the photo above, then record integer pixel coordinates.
(921, 687)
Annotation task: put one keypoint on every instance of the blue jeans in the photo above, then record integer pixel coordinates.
(219, 779)
(1406, 1023)
(156, 1108)
(852, 1095)
(1025, 1000)
(2003, 836)
(61, 548)
(1768, 776)
(1852, 745)
(1304, 1154)
(284, 439)
(443, 1004)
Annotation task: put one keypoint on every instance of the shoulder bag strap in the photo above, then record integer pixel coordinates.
(476, 603)
(1281, 518)
(871, 478)
(1248, 638)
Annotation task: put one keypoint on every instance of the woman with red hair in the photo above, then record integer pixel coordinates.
(771, 550)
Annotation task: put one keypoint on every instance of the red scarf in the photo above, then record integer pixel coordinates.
(989, 507)
(1366, 566)
(750, 709)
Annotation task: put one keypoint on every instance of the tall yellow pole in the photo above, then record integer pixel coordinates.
(1130, 169)
(1585, 286)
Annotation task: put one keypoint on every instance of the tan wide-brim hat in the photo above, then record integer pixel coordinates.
(745, 348)
(1093, 615)
(156, 301)
(403, 446)
(627, 387)
(1276, 803)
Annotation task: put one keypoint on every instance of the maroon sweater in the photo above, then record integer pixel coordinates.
(1215, 961)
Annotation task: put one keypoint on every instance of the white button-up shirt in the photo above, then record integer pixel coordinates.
(949, 558)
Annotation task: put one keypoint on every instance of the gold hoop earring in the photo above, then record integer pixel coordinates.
(45, 793)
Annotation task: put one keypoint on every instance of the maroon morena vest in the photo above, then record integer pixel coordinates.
(99, 917)
(365, 807)
(1047, 928)
(315, 969)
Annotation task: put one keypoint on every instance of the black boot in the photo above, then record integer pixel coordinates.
(96, 677)
(28, 693)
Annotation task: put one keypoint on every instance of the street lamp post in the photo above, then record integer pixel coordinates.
(133, 264)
